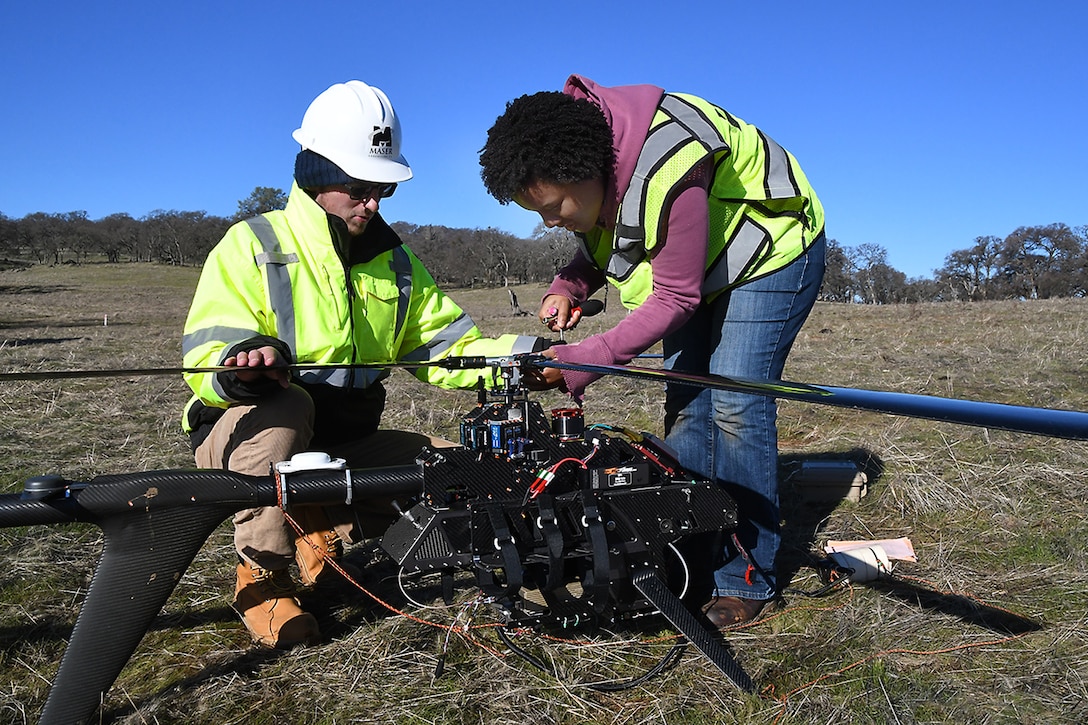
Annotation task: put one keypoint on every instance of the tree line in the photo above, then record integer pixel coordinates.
(1033, 262)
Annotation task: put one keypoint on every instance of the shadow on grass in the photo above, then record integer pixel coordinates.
(33, 289)
(42, 630)
(247, 664)
(41, 340)
(805, 514)
(194, 618)
(336, 617)
(962, 607)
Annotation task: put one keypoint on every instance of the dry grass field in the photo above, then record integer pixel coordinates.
(988, 626)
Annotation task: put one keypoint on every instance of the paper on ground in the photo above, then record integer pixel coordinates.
(900, 549)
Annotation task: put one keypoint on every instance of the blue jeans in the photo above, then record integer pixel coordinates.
(733, 437)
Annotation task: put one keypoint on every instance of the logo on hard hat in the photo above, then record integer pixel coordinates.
(381, 140)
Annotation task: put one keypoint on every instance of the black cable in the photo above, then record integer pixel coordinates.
(830, 572)
(668, 660)
(534, 661)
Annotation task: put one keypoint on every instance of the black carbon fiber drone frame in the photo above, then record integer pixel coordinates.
(604, 524)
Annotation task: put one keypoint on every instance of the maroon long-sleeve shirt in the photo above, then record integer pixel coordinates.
(678, 259)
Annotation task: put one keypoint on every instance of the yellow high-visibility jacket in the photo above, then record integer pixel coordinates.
(280, 279)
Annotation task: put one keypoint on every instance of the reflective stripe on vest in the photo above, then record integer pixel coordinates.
(438, 345)
(402, 270)
(344, 377)
(778, 182)
(747, 243)
(220, 333)
(685, 125)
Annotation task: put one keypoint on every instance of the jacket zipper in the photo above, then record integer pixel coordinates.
(351, 325)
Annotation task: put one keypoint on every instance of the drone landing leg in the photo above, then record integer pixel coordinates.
(653, 588)
(143, 559)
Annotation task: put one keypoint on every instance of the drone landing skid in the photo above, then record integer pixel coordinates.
(650, 585)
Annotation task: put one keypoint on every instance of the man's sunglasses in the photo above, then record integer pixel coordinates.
(366, 190)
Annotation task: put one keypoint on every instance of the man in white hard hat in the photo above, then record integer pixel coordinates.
(324, 281)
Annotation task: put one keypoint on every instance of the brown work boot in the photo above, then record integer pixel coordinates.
(320, 544)
(725, 612)
(266, 600)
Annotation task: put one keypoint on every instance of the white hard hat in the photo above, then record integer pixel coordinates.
(353, 125)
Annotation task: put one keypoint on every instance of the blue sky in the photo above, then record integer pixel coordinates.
(922, 125)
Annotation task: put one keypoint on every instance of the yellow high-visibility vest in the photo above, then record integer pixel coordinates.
(763, 213)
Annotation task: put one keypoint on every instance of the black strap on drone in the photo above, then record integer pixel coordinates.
(548, 524)
(597, 580)
(555, 591)
(511, 562)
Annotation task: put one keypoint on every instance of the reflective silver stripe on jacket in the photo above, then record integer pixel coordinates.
(442, 342)
(778, 181)
(747, 244)
(227, 335)
(275, 258)
(343, 377)
(279, 279)
(402, 271)
(686, 124)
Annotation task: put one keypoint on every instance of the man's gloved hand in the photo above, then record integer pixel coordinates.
(543, 343)
(263, 362)
(259, 367)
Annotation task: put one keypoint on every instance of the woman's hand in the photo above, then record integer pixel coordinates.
(544, 378)
(558, 313)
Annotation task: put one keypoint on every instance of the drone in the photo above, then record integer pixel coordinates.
(557, 522)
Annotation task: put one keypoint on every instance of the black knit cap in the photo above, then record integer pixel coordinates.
(313, 170)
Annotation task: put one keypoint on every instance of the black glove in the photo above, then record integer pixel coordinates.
(543, 343)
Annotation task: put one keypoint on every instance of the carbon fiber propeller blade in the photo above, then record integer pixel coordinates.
(144, 372)
(1019, 419)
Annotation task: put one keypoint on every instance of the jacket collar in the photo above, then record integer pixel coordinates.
(313, 222)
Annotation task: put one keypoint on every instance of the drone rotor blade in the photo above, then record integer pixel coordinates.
(144, 372)
(1019, 419)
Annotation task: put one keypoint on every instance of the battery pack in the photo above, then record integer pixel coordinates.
(630, 475)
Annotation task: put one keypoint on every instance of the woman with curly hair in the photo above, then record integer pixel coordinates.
(715, 241)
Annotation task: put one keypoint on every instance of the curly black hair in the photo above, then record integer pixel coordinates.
(547, 136)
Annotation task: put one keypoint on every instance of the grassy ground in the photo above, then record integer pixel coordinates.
(987, 627)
